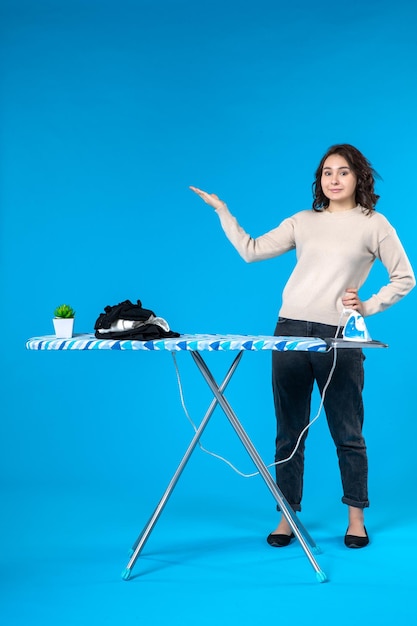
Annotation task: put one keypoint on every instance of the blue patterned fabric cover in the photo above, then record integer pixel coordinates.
(198, 343)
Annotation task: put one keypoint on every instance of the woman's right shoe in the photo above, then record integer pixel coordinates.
(279, 541)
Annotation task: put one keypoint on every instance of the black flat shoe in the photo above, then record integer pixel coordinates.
(279, 541)
(352, 541)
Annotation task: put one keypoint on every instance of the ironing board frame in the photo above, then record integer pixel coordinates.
(194, 344)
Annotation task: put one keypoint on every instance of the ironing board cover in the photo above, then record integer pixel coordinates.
(195, 343)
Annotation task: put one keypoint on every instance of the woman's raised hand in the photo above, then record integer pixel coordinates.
(209, 198)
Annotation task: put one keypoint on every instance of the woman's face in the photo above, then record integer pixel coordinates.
(338, 182)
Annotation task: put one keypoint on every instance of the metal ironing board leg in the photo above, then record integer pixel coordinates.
(284, 507)
(299, 531)
(144, 535)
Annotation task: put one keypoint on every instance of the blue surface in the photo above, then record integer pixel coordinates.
(109, 111)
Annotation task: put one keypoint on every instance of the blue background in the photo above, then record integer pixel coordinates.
(109, 111)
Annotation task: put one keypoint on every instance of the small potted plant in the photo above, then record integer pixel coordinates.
(64, 321)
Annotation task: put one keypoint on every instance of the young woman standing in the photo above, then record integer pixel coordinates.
(336, 244)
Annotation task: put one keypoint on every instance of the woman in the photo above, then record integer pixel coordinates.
(336, 244)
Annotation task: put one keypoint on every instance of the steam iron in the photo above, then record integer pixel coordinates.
(355, 327)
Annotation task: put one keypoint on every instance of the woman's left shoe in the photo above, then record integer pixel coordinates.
(352, 541)
(279, 541)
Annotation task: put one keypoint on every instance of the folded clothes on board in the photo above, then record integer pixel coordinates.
(131, 321)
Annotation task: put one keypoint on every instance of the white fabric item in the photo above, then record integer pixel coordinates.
(121, 325)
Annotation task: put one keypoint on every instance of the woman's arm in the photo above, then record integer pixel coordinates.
(272, 244)
(401, 276)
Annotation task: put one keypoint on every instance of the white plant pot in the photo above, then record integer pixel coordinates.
(63, 327)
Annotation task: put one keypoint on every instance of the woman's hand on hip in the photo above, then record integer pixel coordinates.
(209, 198)
(351, 300)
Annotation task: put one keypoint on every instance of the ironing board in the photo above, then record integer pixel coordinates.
(195, 345)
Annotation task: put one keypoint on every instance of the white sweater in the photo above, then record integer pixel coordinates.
(334, 251)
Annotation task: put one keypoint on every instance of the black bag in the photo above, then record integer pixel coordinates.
(146, 330)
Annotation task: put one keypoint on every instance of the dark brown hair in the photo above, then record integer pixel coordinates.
(365, 175)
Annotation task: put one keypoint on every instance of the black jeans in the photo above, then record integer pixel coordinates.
(293, 376)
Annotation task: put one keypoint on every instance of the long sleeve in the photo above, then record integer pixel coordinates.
(401, 276)
(271, 244)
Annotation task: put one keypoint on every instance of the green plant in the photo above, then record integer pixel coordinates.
(64, 310)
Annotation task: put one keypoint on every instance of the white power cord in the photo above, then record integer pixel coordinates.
(217, 456)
